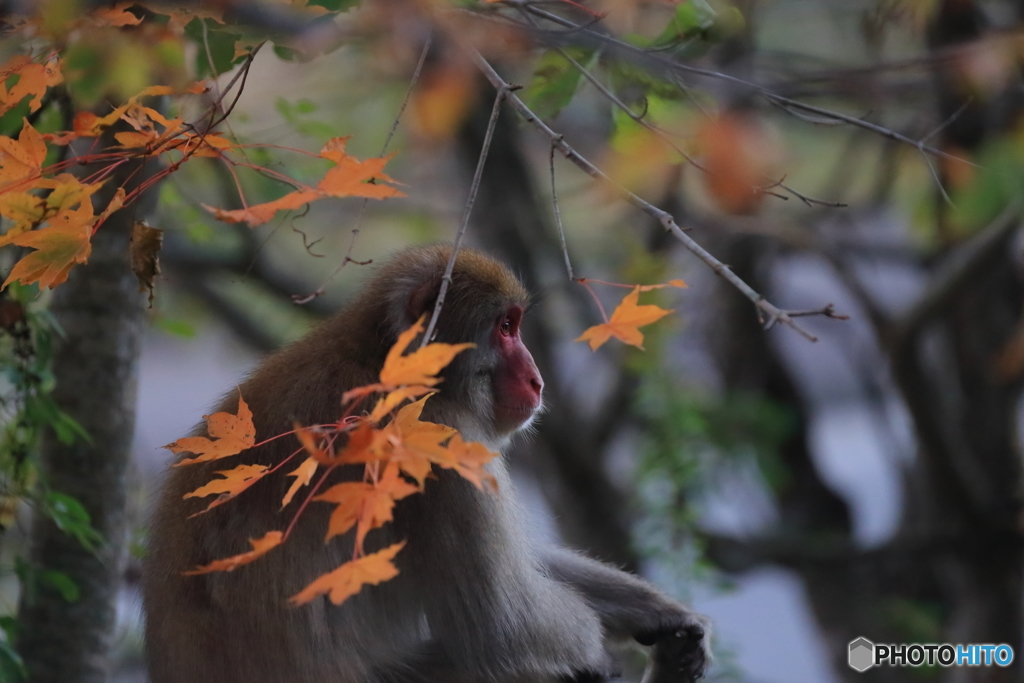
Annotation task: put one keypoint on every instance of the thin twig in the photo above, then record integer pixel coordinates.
(768, 313)
(640, 55)
(362, 207)
(504, 90)
(558, 216)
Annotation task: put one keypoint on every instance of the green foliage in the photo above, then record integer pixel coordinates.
(687, 440)
(219, 42)
(690, 20)
(26, 407)
(295, 114)
(62, 583)
(556, 80)
(12, 668)
(175, 327)
(72, 518)
(998, 179)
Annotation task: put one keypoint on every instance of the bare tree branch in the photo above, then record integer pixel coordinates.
(768, 313)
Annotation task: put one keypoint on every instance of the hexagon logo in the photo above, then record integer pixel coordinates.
(861, 655)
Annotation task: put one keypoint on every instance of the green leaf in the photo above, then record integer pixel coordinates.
(690, 20)
(305, 107)
(176, 327)
(12, 668)
(62, 582)
(72, 518)
(41, 409)
(221, 44)
(85, 73)
(288, 54)
(293, 115)
(555, 81)
(334, 5)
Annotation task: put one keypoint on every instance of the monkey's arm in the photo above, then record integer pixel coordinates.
(630, 607)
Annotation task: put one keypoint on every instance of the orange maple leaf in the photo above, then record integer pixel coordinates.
(33, 79)
(260, 547)
(352, 178)
(740, 157)
(115, 16)
(420, 442)
(229, 435)
(66, 191)
(410, 375)
(624, 323)
(22, 159)
(468, 459)
(422, 365)
(349, 578)
(303, 475)
(24, 209)
(58, 247)
(307, 436)
(394, 399)
(366, 505)
(348, 178)
(232, 483)
(258, 214)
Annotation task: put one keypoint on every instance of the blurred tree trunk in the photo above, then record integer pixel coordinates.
(102, 313)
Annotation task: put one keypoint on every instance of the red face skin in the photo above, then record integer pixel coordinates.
(517, 383)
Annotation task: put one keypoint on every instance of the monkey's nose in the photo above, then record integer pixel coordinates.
(537, 384)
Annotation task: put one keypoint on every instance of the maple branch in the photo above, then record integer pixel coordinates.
(504, 90)
(768, 313)
(362, 207)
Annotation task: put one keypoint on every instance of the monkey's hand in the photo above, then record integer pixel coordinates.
(681, 654)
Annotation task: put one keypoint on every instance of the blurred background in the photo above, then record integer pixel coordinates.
(867, 154)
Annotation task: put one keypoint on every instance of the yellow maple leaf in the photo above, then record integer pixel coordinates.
(258, 214)
(21, 159)
(303, 475)
(24, 209)
(349, 578)
(420, 443)
(366, 505)
(422, 365)
(231, 484)
(348, 178)
(58, 247)
(228, 435)
(260, 547)
(468, 459)
(351, 177)
(625, 322)
(33, 79)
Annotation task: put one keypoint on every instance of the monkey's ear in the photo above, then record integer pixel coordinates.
(422, 298)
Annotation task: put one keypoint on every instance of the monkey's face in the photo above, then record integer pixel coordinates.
(516, 384)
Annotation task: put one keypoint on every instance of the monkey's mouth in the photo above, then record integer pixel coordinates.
(509, 417)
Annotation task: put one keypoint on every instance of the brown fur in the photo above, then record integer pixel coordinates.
(475, 599)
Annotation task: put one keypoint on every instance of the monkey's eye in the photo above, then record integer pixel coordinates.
(509, 325)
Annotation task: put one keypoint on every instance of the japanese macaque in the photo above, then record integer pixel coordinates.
(477, 600)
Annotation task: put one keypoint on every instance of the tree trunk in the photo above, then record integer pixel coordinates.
(96, 367)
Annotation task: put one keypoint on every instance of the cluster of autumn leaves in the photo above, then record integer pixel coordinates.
(396, 449)
(51, 214)
(59, 226)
